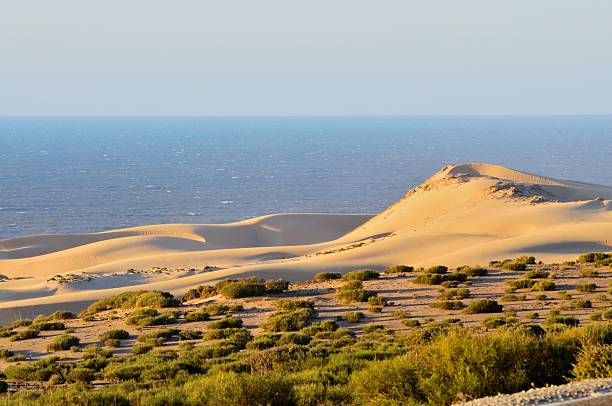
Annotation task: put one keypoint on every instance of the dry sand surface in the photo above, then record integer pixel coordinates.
(464, 214)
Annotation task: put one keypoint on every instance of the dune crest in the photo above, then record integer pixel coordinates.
(463, 214)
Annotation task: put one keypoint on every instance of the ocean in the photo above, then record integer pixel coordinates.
(85, 174)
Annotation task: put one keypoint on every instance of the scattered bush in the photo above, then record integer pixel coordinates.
(24, 335)
(200, 292)
(588, 273)
(399, 269)
(144, 317)
(536, 274)
(353, 291)
(586, 287)
(473, 271)
(227, 322)
(593, 361)
(513, 298)
(459, 293)
(437, 269)
(62, 343)
(581, 304)
(558, 319)
(327, 276)
(448, 305)
(543, 285)
(292, 320)
(360, 275)
(117, 334)
(483, 306)
(129, 300)
(353, 317)
(199, 315)
(515, 266)
(276, 286)
(48, 326)
(595, 257)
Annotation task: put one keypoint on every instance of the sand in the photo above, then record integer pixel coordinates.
(464, 214)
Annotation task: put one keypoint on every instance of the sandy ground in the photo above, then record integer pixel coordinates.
(464, 214)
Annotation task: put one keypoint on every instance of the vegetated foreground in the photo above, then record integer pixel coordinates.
(405, 336)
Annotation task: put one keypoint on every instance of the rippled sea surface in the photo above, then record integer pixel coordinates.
(89, 174)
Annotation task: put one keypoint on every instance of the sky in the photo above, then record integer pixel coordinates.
(285, 57)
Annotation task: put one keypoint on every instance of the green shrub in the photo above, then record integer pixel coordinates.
(24, 335)
(371, 327)
(118, 334)
(139, 349)
(353, 317)
(483, 306)
(543, 285)
(200, 292)
(292, 320)
(84, 375)
(586, 287)
(112, 343)
(448, 305)
(144, 317)
(294, 304)
(360, 275)
(399, 269)
(428, 279)
(459, 293)
(588, 273)
(593, 361)
(558, 319)
(496, 321)
(473, 271)
(237, 288)
(228, 322)
(581, 304)
(199, 315)
(515, 266)
(411, 323)
(437, 269)
(513, 298)
(593, 257)
(536, 274)
(276, 286)
(189, 335)
(353, 291)
(129, 300)
(327, 276)
(48, 326)
(62, 343)
(454, 276)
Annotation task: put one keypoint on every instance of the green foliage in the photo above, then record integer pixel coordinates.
(473, 271)
(327, 276)
(399, 269)
(276, 286)
(586, 287)
(580, 304)
(483, 306)
(118, 334)
(543, 286)
(144, 317)
(595, 257)
(537, 274)
(25, 335)
(227, 322)
(515, 266)
(428, 279)
(437, 269)
(129, 300)
(353, 317)
(291, 320)
(448, 305)
(593, 361)
(558, 319)
(513, 298)
(353, 291)
(293, 304)
(48, 326)
(588, 273)
(63, 342)
(360, 275)
(200, 292)
(457, 293)
(199, 315)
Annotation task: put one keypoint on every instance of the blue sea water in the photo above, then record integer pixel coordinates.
(82, 174)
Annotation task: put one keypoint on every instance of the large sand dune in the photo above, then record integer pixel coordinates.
(464, 214)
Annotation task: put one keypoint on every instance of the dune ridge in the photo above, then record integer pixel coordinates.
(464, 214)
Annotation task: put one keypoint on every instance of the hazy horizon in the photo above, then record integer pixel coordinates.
(273, 58)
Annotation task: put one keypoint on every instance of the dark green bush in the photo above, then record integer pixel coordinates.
(24, 335)
(276, 286)
(62, 343)
(515, 266)
(292, 320)
(543, 285)
(237, 288)
(586, 287)
(536, 274)
(483, 306)
(458, 293)
(294, 304)
(399, 269)
(227, 322)
(327, 276)
(353, 317)
(558, 319)
(200, 292)
(199, 315)
(118, 334)
(360, 275)
(448, 305)
(353, 291)
(144, 317)
(428, 279)
(129, 300)
(437, 269)
(521, 283)
(473, 271)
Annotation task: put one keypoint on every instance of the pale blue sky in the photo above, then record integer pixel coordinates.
(147, 57)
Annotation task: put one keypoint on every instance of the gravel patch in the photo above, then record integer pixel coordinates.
(590, 392)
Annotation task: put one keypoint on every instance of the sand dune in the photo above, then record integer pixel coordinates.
(464, 214)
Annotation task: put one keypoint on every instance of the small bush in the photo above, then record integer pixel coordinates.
(237, 288)
(189, 335)
(428, 279)
(149, 317)
(117, 334)
(360, 275)
(483, 306)
(399, 269)
(289, 320)
(593, 361)
(458, 293)
(496, 321)
(353, 317)
(24, 335)
(513, 298)
(276, 286)
(129, 300)
(62, 343)
(448, 305)
(543, 286)
(558, 319)
(437, 269)
(228, 322)
(139, 349)
(515, 266)
(586, 287)
(294, 304)
(327, 276)
(112, 343)
(593, 257)
(353, 291)
(411, 323)
(201, 292)
(199, 315)
(588, 273)
(48, 326)
(536, 274)
(581, 304)
(473, 271)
